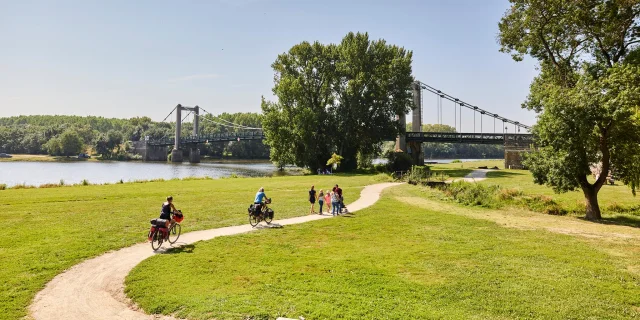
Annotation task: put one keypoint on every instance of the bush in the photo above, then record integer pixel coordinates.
(456, 161)
(472, 194)
(383, 177)
(3, 186)
(22, 186)
(398, 161)
(48, 185)
(61, 182)
(85, 182)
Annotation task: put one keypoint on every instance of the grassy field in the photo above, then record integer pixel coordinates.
(48, 230)
(407, 257)
(614, 199)
(459, 170)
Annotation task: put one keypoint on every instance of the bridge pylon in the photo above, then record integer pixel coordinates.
(194, 152)
(413, 148)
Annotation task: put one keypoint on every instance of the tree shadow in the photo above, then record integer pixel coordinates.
(502, 174)
(620, 220)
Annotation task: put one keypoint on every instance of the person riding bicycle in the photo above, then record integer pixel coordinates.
(168, 209)
(260, 197)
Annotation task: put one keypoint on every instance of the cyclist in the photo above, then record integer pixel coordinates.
(167, 210)
(260, 196)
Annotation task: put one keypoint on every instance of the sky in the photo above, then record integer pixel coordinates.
(141, 58)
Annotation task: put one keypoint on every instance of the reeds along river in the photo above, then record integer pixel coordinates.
(38, 173)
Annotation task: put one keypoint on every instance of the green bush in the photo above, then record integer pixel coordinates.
(3, 186)
(472, 194)
(398, 161)
(456, 161)
(85, 182)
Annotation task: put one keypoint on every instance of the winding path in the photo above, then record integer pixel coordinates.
(94, 289)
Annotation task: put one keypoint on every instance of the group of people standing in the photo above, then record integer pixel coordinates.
(333, 199)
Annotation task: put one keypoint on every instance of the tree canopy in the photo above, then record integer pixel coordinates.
(587, 92)
(340, 98)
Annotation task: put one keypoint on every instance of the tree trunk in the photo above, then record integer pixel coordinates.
(591, 200)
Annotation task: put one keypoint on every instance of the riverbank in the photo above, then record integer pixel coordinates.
(44, 158)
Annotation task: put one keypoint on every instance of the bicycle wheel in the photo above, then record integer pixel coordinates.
(253, 220)
(174, 233)
(156, 240)
(268, 216)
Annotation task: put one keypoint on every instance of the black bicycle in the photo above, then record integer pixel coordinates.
(264, 213)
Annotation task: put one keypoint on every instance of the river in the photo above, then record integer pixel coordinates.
(38, 173)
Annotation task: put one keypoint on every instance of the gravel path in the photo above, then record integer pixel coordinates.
(94, 289)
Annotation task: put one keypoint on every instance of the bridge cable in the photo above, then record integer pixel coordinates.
(469, 106)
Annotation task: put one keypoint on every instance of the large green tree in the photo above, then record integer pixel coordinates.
(336, 98)
(587, 92)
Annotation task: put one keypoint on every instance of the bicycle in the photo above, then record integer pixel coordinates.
(265, 214)
(159, 234)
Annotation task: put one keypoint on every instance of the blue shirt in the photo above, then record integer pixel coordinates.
(259, 197)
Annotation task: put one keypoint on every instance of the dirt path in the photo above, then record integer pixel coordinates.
(94, 289)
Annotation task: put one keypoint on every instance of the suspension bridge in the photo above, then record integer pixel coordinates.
(411, 142)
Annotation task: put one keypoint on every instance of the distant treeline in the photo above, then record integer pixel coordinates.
(70, 135)
(457, 150)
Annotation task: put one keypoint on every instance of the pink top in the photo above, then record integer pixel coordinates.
(327, 197)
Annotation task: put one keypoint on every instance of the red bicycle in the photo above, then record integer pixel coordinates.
(164, 230)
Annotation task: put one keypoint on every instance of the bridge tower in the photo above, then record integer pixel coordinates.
(194, 152)
(414, 148)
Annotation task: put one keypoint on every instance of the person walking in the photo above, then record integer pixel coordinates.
(320, 200)
(334, 203)
(312, 199)
(327, 200)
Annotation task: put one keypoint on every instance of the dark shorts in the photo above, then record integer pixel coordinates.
(312, 201)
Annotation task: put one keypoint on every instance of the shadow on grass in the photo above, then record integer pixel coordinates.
(621, 220)
(502, 174)
(181, 248)
(269, 226)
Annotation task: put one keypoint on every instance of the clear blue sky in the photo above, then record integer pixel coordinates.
(141, 58)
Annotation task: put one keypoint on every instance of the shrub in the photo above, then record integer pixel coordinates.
(85, 182)
(398, 161)
(383, 177)
(472, 194)
(61, 182)
(121, 181)
(3, 186)
(509, 194)
(49, 185)
(22, 186)
(456, 161)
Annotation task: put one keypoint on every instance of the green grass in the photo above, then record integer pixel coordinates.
(459, 170)
(48, 230)
(610, 198)
(391, 261)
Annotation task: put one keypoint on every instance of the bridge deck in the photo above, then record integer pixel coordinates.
(475, 138)
(442, 137)
(206, 138)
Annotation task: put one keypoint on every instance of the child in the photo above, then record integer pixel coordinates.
(320, 200)
(327, 200)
